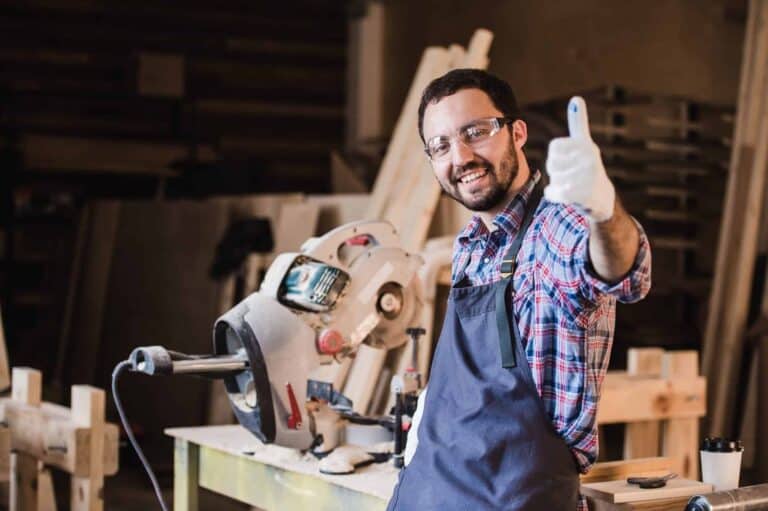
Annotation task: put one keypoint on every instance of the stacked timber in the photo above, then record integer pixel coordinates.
(744, 227)
(668, 158)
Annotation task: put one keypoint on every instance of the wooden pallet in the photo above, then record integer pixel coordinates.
(660, 398)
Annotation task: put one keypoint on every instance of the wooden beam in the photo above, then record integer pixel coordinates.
(88, 409)
(642, 439)
(5, 373)
(26, 389)
(612, 470)
(629, 399)
(726, 325)
(48, 433)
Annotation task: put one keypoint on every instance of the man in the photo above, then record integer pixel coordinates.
(508, 420)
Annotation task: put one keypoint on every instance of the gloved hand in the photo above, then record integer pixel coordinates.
(575, 168)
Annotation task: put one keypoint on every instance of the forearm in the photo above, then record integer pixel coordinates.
(613, 245)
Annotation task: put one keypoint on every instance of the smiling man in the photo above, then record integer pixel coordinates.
(508, 420)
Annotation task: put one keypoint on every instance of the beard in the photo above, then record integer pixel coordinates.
(483, 198)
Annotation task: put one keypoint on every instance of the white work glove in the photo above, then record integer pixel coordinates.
(575, 168)
(413, 432)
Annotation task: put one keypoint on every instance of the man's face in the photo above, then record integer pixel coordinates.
(478, 176)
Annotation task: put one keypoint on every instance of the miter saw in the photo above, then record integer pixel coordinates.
(351, 286)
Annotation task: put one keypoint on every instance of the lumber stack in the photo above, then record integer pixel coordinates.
(406, 194)
(660, 399)
(743, 222)
(667, 157)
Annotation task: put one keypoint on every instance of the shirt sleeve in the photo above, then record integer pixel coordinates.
(566, 243)
(635, 284)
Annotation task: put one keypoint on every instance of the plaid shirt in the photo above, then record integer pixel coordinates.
(565, 313)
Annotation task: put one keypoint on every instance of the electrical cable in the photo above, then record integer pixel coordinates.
(119, 369)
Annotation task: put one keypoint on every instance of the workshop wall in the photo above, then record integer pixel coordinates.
(549, 49)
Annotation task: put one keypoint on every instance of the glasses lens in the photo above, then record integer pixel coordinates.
(438, 147)
(478, 131)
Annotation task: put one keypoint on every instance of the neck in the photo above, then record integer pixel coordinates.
(523, 174)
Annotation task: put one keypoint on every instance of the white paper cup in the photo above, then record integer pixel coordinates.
(721, 463)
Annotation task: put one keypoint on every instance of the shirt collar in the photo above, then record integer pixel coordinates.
(508, 219)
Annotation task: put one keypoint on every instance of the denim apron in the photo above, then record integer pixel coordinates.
(485, 441)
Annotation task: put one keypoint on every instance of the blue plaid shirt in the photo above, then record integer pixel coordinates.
(566, 314)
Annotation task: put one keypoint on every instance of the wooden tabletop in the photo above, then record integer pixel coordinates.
(376, 480)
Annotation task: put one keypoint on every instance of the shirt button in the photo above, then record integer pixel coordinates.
(487, 260)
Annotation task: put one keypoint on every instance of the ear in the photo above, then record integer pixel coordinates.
(519, 133)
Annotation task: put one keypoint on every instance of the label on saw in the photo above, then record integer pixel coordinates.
(367, 293)
(364, 328)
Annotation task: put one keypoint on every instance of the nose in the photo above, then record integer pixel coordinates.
(461, 153)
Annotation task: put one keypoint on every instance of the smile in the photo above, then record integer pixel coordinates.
(472, 176)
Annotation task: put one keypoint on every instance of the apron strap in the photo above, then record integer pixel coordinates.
(508, 265)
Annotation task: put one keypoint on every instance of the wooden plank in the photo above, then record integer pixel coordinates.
(621, 491)
(613, 470)
(24, 482)
(186, 473)
(674, 504)
(363, 376)
(88, 409)
(642, 439)
(254, 483)
(680, 438)
(628, 399)
(46, 500)
(5, 373)
(645, 361)
(91, 289)
(5, 455)
(27, 386)
(736, 247)
(48, 433)
(26, 389)
(433, 63)
(77, 154)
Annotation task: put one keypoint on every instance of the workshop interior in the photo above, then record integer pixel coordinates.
(227, 261)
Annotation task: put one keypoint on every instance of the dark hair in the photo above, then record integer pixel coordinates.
(458, 79)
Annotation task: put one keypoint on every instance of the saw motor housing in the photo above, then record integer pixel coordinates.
(355, 284)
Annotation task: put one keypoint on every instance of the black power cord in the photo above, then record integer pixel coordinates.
(119, 369)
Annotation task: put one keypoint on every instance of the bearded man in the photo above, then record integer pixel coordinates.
(509, 417)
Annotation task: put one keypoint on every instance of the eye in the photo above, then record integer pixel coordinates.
(439, 147)
(476, 132)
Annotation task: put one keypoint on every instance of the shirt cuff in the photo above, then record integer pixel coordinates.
(635, 284)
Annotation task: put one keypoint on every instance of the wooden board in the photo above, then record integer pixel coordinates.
(620, 491)
(88, 409)
(681, 435)
(628, 399)
(729, 304)
(614, 470)
(642, 439)
(5, 373)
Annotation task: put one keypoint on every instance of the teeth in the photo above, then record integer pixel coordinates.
(468, 178)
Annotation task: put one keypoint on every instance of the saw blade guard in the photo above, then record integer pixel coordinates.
(269, 399)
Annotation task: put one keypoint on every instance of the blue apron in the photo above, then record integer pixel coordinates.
(485, 440)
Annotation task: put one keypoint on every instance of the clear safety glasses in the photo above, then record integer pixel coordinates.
(472, 134)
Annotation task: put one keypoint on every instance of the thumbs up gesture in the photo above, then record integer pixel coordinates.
(575, 168)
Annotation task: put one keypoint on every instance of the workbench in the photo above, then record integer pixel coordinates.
(230, 461)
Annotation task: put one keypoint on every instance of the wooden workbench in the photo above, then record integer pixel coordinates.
(230, 461)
